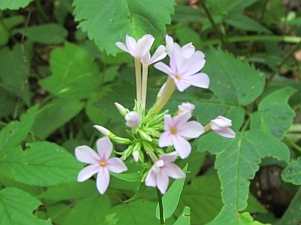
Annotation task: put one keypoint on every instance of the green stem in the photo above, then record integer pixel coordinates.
(292, 144)
(138, 79)
(144, 86)
(162, 222)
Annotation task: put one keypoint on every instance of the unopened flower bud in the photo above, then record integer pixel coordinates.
(186, 106)
(136, 156)
(121, 109)
(132, 119)
(220, 125)
(144, 136)
(103, 130)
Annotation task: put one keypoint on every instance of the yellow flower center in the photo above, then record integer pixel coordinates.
(178, 77)
(103, 163)
(173, 130)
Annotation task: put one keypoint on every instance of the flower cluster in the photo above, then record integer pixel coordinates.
(158, 138)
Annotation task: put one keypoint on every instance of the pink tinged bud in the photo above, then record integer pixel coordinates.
(132, 119)
(220, 125)
(121, 109)
(186, 107)
(136, 156)
(102, 130)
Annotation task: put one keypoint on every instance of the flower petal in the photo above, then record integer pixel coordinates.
(87, 172)
(121, 46)
(188, 50)
(181, 85)
(162, 181)
(165, 139)
(159, 54)
(200, 80)
(226, 132)
(176, 59)
(103, 180)
(131, 45)
(220, 121)
(181, 119)
(191, 129)
(173, 171)
(168, 122)
(193, 65)
(143, 45)
(86, 154)
(182, 146)
(169, 44)
(169, 157)
(150, 179)
(164, 68)
(116, 165)
(104, 148)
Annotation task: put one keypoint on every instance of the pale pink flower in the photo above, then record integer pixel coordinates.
(100, 163)
(220, 125)
(187, 49)
(186, 106)
(158, 175)
(132, 119)
(137, 49)
(159, 54)
(177, 129)
(185, 72)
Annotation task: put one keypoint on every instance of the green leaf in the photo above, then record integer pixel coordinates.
(15, 132)
(57, 112)
(234, 82)
(14, 4)
(108, 22)
(92, 210)
(50, 33)
(16, 208)
(42, 164)
(130, 177)
(203, 197)
(75, 75)
(184, 218)
(274, 115)
(171, 198)
(292, 173)
(239, 159)
(134, 213)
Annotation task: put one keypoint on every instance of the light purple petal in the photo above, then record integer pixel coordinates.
(169, 157)
(226, 132)
(143, 45)
(169, 44)
(146, 59)
(159, 54)
(86, 154)
(188, 50)
(193, 65)
(150, 179)
(168, 122)
(173, 171)
(191, 129)
(121, 46)
(181, 85)
(164, 68)
(103, 180)
(162, 181)
(116, 165)
(130, 44)
(182, 146)
(220, 121)
(181, 119)
(200, 80)
(176, 59)
(104, 148)
(165, 139)
(87, 172)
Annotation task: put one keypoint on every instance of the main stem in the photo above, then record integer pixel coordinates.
(160, 207)
(138, 79)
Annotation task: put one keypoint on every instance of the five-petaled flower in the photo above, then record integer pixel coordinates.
(177, 129)
(158, 175)
(184, 71)
(220, 125)
(100, 163)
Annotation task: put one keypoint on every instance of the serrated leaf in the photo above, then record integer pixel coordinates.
(134, 213)
(274, 115)
(292, 173)
(235, 82)
(184, 218)
(15, 132)
(171, 198)
(42, 164)
(116, 19)
(14, 4)
(75, 75)
(238, 159)
(16, 208)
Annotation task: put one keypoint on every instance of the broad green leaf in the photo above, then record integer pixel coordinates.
(234, 82)
(17, 208)
(134, 213)
(130, 177)
(274, 115)
(14, 4)
(50, 33)
(16, 131)
(237, 161)
(171, 198)
(108, 22)
(54, 115)
(42, 164)
(292, 173)
(92, 210)
(202, 195)
(184, 218)
(75, 75)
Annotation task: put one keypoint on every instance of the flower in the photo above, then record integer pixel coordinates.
(137, 49)
(99, 163)
(103, 130)
(159, 54)
(177, 129)
(186, 106)
(132, 119)
(184, 71)
(158, 175)
(187, 49)
(220, 125)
